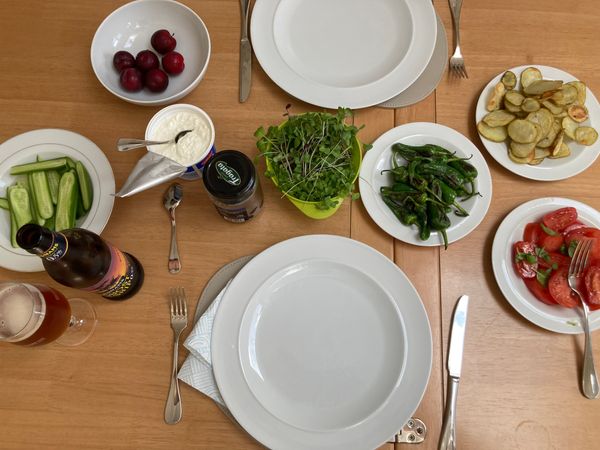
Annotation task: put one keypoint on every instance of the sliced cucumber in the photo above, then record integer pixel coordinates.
(70, 163)
(53, 180)
(38, 182)
(49, 164)
(85, 186)
(66, 206)
(34, 211)
(13, 230)
(4, 203)
(20, 205)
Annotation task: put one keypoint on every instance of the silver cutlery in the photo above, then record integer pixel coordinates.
(245, 53)
(172, 198)
(173, 408)
(455, 353)
(125, 144)
(414, 431)
(579, 262)
(457, 62)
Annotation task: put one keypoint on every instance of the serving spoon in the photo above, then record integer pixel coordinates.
(125, 144)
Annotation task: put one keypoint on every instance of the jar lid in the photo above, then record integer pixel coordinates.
(229, 175)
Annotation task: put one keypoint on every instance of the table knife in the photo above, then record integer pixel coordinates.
(245, 53)
(455, 353)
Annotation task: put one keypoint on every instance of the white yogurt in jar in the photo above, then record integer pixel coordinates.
(192, 148)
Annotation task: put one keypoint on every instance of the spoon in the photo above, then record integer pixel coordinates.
(125, 144)
(172, 198)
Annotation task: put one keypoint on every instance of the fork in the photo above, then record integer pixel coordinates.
(457, 62)
(589, 380)
(179, 321)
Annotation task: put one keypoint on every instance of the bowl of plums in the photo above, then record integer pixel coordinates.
(151, 52)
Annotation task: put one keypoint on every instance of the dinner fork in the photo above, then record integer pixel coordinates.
(179, 321)
(457, 62)
(579, 262)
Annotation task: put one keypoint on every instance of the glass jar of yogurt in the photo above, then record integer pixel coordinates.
(192, 150)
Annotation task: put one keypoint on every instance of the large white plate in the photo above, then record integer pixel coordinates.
(353, 53)
(379, 158)
(550, 169)
(321, 342)
(52, 143)
(553, 318)
(431, 76)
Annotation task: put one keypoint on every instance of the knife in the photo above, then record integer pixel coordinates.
(245, 54)
(455, 353)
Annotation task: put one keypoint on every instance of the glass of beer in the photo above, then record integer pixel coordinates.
(34, 314)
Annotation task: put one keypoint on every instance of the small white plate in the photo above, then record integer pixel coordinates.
(343, 53)
(431, 76)
(321, 342)
(379, 158)
(549, 169)
(553, 318)
(52, 143)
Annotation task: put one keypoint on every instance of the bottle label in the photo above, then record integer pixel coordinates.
(118, 278)
(58, 249)
(228, 173)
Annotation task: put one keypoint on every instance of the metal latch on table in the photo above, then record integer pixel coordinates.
(413, 432)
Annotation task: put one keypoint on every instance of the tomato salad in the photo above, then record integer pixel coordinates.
(542, 258)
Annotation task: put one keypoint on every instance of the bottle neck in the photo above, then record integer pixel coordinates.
(43, 242)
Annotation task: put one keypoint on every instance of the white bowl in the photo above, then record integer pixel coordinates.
(130, 28)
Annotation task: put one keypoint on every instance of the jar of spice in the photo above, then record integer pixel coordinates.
(232, 185)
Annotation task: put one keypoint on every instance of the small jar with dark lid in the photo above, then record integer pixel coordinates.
(232, 185)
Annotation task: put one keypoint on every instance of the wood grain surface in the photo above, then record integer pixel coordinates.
(520, 384)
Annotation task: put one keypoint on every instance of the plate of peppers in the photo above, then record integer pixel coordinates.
(425, 184)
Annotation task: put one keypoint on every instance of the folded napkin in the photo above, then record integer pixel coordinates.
(197, 367)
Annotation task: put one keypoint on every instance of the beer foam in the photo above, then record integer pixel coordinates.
(16, 310)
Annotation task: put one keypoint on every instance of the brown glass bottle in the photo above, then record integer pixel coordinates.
(81, 259)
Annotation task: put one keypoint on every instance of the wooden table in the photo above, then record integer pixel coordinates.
(520, 387)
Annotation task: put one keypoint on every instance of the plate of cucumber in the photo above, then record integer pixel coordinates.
(56, 178)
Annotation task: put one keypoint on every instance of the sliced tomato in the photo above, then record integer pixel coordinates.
(555, 258)
(592, 285)
(551, 243)
(574, 226)
(561, 218)
(525, 266)
(532, 232)
(586, 232)
(560, 290)
(541, 293)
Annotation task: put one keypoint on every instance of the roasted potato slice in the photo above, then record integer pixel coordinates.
(586, 135)
(514, 97)
(549, 139)
(566, 95)
(535, 162)
(530, 105)
(511, 107)
(530, 75)
(498, 118)
(581, 91)
(552, 107)
(522, 131)
(519, 160)
(557, 143)
(541, 153)
(569, 126)
(578, 113)
(509, 80)
(521, 150)
(495, 134)
(538, 87)
(543, 118)
(562, 152)
(496, 97)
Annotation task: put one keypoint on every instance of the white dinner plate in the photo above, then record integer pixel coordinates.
(549, 169)
(379, 158)
(52, 143)
(431, 76)
(551, 317)
(351, 53)
(321, 342)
